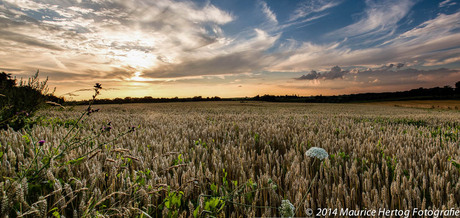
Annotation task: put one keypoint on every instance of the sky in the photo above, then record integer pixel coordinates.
(231, 48)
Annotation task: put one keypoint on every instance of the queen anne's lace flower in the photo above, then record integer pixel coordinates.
(317, 152)
(287, 209)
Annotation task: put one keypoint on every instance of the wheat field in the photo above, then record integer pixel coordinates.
(229, 159)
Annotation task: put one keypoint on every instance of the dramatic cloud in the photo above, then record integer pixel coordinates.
(128, 35)
(158, 46)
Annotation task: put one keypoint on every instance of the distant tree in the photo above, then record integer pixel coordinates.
(457, 87)
(197, 98)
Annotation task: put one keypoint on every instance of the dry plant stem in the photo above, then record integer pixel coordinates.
(308, 190)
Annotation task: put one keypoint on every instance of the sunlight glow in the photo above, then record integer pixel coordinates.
(137, 77)
(136, 59)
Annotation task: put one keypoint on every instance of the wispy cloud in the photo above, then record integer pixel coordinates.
(268, 12)
(309, 7)
(380, 17)
(441, 25)
(447, 3)
(238, 57)
(432, 42)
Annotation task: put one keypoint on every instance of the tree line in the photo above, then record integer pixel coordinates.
(436, 93)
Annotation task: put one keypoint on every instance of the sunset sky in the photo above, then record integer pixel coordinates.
(231, 48)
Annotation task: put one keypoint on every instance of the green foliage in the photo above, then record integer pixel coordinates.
(142, 175)
(256, 138)
(454, 163)
(55, 212)
(173, 202)
(26, 139)
(178, 160)
(199, 142)
(221, 196)
(58, 122)
(343, 155)
(391, 162)
(397, 121)
(410, 122)
(449, 133)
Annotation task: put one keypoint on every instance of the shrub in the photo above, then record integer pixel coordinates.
(18, 102)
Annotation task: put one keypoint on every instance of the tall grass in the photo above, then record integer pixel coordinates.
(232, 159)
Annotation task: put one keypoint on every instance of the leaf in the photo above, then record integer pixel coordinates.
(457, 165)
(167, 204)
(195, 212)
(75, 160)
(214, 188)
(56, 214)
(26, 138)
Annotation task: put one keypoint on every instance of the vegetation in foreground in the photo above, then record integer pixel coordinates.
(228, 159)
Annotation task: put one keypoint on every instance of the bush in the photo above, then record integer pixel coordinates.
(18, 102)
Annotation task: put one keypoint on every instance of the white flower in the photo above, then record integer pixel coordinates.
(317, 152)
(287, 209)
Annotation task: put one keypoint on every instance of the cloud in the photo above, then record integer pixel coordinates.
(409, 76)
(308, 7)
(380, 18)
(24, 40)
(101, 36)
(335, 73)
(118, 42)
(380, 79)
(244, 57)
(434, 42)
(391, 66)
(447, 3)
(226, 64)
(431, 29)
(268, 12)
